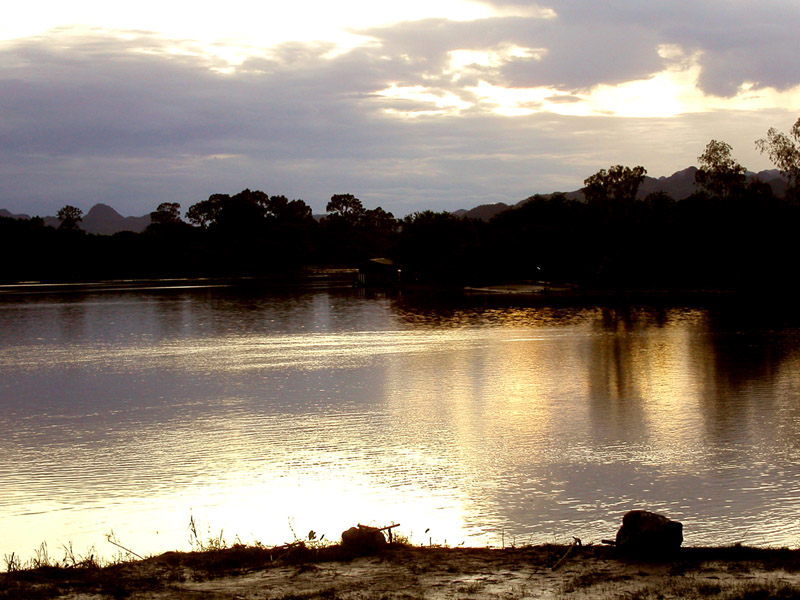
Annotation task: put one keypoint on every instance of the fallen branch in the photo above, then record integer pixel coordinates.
(128, 550)
(289, 545)
(576, 542)
(387, 528)
(378, 528)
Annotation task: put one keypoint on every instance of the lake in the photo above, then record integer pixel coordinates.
(265, 414)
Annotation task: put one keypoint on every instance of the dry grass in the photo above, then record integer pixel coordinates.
(302, 571)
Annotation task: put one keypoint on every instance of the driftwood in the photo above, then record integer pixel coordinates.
(112, 540)
(575, 542)
(388, 529)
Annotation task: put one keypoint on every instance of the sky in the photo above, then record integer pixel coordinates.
(413, 105)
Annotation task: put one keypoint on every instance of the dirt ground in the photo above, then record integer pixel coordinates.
(408, 573)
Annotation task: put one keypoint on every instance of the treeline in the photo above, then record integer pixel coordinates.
(731, 234)
(249, 234)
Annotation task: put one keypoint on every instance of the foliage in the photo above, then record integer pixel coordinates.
(784, 151)
(351, 234)
(238, 214)
(719, 175)
(618, 185)
(281, 209)
(441, 248)
(613, 240)
(251, 233)
(69, 216)
(167, 212)
(346, 207)
(536, 240)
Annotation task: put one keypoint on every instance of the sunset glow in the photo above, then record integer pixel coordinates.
(303, 98)
(243, 23)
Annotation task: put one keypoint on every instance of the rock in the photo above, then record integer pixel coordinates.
(363, 540)
(649, 533)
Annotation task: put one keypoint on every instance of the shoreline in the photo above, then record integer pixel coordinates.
(400, 571)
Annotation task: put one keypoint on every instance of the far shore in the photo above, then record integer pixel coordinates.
(539, 292)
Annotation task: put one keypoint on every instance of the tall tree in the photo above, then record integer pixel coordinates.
(69, 216)
(784, 152)
(283, 211)
(167, 212)
(243, 212)
(441, 248)
(617, 185)
(351, 234)
(345, 206)
(719, 175)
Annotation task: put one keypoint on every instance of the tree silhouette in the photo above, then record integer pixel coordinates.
(784, 151)
(618, 185)
(351, 234)
(719, 175)
(440, 248)
(69, 216)
(345, 206)
(252, 233)
(279, 209)
(167, 212)
(243, 213)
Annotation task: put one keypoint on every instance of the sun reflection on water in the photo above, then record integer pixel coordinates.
(269, 417)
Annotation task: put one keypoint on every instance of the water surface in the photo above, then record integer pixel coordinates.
(269, 414)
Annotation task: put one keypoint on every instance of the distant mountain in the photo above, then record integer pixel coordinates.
(484, 212)
(101, 219)
(775, 179)
(679, 185)
(104, 220)
(5, 213)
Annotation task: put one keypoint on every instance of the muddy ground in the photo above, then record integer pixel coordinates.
(407, 573)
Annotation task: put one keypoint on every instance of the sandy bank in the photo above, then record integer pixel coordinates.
(403, 572)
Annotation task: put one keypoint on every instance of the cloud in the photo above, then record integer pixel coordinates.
(607, 42)
(405, 121)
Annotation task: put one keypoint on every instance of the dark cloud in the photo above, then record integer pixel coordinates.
(91, 117)
(574, 57)
(79, 99)
(580, 58)
(739, 41)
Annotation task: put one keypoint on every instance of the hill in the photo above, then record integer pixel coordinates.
(679, 185)
(484, 212)
(10, 215)
(104, 220)
(101, 219)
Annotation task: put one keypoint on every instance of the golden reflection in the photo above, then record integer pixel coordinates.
(321, 412)
(487, 410)
(642, 385)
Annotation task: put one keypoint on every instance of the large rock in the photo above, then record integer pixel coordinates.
(649, 533)
(363, 540)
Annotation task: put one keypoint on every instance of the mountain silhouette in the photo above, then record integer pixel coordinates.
(679, 185)
(101, 219)
(104, 220)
